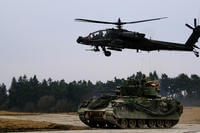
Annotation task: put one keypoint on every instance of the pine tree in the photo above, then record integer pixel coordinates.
(3, 94)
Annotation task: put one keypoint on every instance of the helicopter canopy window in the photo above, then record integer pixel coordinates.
(97, 34)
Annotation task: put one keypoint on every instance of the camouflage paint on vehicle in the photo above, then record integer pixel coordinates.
(137, 106)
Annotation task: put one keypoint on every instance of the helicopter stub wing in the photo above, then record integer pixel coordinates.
(115, 45)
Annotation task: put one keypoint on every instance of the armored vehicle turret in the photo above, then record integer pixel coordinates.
(135, 105)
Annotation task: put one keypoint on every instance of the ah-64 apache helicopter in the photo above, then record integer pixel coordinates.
(118, 39)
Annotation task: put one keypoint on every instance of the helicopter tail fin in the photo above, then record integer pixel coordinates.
(194, 36)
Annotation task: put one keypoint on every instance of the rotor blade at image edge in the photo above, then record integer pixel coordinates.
(94, 21)
(141, 21)
(189, 26)
(196, 47)
(195, 22)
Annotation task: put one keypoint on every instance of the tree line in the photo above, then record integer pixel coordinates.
(31, 95)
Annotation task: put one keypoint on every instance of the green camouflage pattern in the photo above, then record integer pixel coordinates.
(138, 105)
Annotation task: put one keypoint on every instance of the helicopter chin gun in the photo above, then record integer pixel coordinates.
(96, 49)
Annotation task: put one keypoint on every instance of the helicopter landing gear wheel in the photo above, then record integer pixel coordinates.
(107, 53)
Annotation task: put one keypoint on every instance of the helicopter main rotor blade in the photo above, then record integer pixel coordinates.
(143, 20)
(94, 21)
(117, 23)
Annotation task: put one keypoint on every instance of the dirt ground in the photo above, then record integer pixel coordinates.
(191, 115)
(14, 125)
(180, 128)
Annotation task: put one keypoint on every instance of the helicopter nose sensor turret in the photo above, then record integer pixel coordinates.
(79, 40)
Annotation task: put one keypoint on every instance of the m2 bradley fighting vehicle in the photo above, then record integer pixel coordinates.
(135, 105)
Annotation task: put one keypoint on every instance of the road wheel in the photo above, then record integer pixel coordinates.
(92, 124)
(174, 122)
(124, 123)
(102, 125)
(159, 123)
(132, 123)
(168, 123)
(141, 123)
(110, 125)
(151, 123)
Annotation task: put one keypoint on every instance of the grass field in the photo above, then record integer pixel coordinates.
(16, 113)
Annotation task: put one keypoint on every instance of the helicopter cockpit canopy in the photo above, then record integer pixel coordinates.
(96, 34)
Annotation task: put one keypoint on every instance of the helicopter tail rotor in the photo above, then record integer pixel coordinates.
(195, 24)
(189, 26)
(193, 37)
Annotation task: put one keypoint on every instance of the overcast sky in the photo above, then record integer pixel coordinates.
(39, 37)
